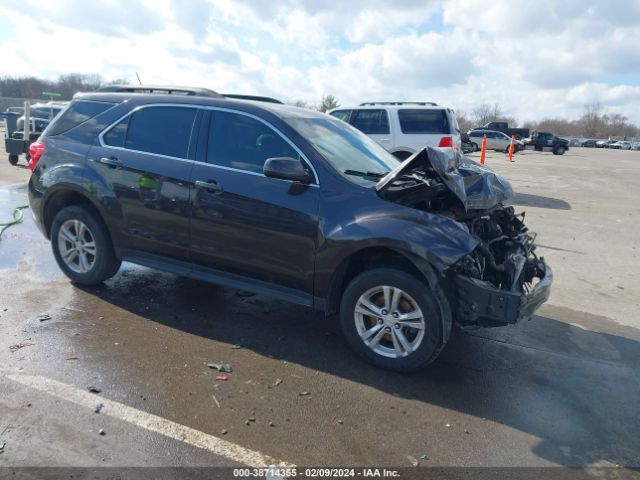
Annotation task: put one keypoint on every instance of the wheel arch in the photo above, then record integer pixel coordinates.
(65, 197)
(383, 256)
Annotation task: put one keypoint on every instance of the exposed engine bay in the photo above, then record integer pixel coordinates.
(502, 280)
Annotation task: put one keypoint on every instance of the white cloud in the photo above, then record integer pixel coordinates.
(537, 59)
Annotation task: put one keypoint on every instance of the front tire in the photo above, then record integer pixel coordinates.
(13, 159)
(475, 146)
(394, 319)
(82, 246)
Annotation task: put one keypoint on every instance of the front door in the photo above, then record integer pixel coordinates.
(144, 159)
(248, 227)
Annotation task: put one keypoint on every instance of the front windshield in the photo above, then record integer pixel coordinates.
(348, 150)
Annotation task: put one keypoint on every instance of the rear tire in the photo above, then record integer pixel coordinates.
(82, 246)
(387, 340)
(475, 146)
(559, 151)
(13, 159)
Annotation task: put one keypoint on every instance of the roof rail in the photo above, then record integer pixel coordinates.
(162, 89)
(433, 104)
(256, 98)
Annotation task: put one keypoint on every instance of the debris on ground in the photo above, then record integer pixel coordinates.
(304, 394)
(271, 424)
(73, 309)
(236, 347)
(44, 317)
(340, 422)
(93, 389)
(244, 293)
(222, 378)
(216, 400)
(224, 431)
(221, 367)
(72, 357)
(413, 461)
(102, 432)
(247, 423)
(18, 346)
(98, 408)
(277, 382)
(448, 425)
(2, 447)
(423, 457)
(467, 431)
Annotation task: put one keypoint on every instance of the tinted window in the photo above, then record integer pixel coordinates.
(476, 134)
(371, 122)
(242, 142)
(115, 137)
(423, 121)
(160, 130)
(78, 112)
(342, 114)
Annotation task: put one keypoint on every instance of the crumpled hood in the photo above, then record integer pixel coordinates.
(476, 186)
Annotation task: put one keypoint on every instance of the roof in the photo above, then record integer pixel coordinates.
(135, 97)
(165, 89)
(395, 106)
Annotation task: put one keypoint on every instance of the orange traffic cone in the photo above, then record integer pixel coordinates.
(483, 150)
(511, 147)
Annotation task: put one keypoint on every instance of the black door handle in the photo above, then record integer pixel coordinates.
(208, 185)
(111, 161)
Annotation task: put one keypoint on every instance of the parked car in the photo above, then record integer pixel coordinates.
(404, 128)
(589, 143)
(497, 141)
(291, 203)
(621, 145)
(16, 110)
(574, 142)
(635, 146)
(604, 143)
(504, 127)
(546, 142)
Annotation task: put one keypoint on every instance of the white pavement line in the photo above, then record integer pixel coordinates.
(149, 421)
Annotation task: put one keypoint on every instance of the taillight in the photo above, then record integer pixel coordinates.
(446, 142)
(35, 152)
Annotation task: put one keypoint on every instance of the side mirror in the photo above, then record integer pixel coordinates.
(287, 168)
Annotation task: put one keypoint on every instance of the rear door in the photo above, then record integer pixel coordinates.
(375, 124)
(144, 159)
(256, 232)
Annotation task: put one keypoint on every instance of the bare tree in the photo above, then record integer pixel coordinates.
(303, 104)
(485, 113)
(328, 102)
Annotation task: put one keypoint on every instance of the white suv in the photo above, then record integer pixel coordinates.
(404, 127)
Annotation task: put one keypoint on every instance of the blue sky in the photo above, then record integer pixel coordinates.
(536, 59)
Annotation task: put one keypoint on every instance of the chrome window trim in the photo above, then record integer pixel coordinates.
(206, 107)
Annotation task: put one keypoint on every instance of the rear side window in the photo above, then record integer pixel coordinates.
(159, 130)
(244, 143)
(341, 114)
(423, 121)
(78, 112)
(371, 122)
(476, 133)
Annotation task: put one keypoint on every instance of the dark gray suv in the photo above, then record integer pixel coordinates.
(291, 203)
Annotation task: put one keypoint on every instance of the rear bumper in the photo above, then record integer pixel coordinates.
(481, 303)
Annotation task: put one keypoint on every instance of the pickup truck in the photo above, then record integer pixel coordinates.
(504, 128)
(546, 142)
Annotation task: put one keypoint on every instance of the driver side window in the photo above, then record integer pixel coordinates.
(244, 143)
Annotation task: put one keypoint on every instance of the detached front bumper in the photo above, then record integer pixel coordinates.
(479, 302)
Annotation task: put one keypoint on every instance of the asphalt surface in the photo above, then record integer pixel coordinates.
(562, 389)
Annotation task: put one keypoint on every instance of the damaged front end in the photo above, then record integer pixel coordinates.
(502, 280)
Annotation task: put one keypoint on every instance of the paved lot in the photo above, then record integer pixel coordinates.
(562, 389)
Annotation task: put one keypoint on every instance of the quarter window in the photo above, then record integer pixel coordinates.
(371, 122)
(341, 114)
(242, 142)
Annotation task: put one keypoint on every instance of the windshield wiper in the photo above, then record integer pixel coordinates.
(357, 173)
